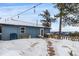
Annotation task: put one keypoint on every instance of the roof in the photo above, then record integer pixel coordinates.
(20, 23)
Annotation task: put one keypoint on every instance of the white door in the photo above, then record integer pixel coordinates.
(42, 32)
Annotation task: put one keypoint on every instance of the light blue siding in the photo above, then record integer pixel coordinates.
(46, 30)
(33, 31)
(7, 30)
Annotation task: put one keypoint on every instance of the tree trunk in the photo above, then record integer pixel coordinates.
(60, 23)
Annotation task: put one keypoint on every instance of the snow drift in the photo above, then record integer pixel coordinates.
(38, 47)
(23, 47)
(65, 47)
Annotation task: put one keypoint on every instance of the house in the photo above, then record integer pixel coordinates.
(15, 29)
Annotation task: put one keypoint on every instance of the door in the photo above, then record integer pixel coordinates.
(42, 32)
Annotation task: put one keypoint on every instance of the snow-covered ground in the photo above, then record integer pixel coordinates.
(23, 47)
(38, 47)
(65, 47)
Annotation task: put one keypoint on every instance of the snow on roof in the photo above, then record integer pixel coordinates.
(18, 22)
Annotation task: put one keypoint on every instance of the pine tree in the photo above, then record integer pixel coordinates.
(47, 19)
(69, 14)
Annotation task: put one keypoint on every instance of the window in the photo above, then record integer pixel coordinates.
(42, 32)
(22, 29)
(0, 29)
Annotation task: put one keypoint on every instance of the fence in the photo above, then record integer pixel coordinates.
(73, 38)
(76, 38)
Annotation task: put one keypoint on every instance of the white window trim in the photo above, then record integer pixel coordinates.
(24, 30)
(43, 31)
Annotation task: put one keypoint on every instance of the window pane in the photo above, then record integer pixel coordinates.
(22, 31)
(22, 28)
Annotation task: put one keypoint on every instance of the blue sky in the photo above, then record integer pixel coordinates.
(7, 10)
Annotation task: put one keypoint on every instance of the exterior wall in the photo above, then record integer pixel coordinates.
(7, 30)
(46, 30)
(32, 31)
(35, 31)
